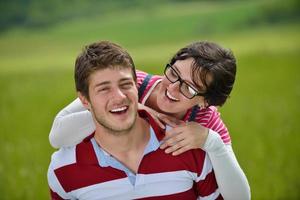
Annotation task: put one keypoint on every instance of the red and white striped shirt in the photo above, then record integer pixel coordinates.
(208, 117)
(77, 173)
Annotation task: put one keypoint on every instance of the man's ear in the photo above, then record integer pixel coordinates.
(85, 102)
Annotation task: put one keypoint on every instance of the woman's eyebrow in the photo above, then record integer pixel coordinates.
(189, 82)
(176, 69)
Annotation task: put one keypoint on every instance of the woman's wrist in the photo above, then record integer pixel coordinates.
(213, 142)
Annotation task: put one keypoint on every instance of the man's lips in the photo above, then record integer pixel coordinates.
(119, 110)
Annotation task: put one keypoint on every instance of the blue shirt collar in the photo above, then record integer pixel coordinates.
(105, 159)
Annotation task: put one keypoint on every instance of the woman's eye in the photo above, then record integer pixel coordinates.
(173, 73)
(192, 91)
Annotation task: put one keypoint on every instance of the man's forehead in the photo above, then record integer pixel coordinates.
(110, 75)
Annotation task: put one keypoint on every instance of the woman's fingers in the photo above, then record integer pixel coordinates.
(178, 147)
(182, 150)
(159, 121)
(171, 139)
(184, 137)
(156, 116)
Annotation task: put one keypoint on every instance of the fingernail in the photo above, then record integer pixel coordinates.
(167, 151)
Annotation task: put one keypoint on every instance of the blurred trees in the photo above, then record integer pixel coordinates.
(36, 13)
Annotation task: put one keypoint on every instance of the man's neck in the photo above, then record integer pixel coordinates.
(127, 147)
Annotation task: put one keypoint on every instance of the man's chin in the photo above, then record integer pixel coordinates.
(120, 130)
(121, 126)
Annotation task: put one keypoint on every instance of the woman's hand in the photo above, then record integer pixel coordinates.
(186, 136)
(160, 118)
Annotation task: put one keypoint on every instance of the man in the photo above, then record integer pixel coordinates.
(122, 159)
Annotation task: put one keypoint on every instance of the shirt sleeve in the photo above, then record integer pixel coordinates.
(211, 119)
(140, 77)
(232, 182)
(55, 196)
(56, 190)
(71, 125)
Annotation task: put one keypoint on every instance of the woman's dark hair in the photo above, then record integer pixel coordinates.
(214, 66)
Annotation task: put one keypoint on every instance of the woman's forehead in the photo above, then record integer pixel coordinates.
(186, 70)
(183, 67)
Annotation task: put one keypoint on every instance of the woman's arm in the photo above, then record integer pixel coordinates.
(230, 177)
(71, 125)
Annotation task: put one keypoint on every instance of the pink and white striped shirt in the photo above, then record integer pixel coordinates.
(208, 117)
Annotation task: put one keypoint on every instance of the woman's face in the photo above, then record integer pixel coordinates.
(169, 97)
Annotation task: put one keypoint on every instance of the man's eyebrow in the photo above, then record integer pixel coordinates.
(125, 79)
(108, 82)
(102, 83)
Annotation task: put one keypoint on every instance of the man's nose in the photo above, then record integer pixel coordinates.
(118, 94)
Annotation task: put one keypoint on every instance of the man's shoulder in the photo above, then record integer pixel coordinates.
(64, 156)
(71, 155)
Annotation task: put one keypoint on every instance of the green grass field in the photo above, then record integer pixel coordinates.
(36, 80)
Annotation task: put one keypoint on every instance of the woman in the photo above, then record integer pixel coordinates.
(199, 77)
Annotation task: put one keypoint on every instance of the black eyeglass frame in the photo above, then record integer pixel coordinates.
(181, 81)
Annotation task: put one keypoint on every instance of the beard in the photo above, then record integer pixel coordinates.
(114, 128)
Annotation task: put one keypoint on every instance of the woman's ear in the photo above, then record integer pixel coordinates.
(203, 104)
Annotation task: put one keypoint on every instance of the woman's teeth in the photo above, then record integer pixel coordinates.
(171, 97)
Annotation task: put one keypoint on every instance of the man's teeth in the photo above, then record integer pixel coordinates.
(119, 109)
(171, 97)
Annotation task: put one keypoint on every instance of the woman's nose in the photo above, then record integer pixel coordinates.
(174, 87)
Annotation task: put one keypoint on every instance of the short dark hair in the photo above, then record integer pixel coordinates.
(97, 56)
(210, 59)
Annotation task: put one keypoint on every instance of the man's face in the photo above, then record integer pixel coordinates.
(113, 99)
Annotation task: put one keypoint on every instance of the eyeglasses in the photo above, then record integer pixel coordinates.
(186, 89)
